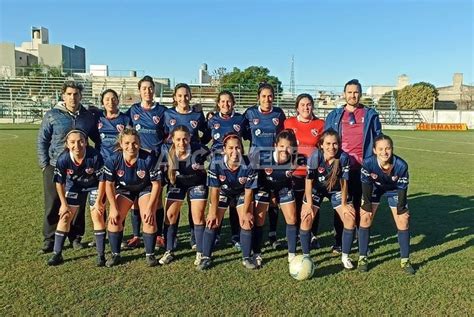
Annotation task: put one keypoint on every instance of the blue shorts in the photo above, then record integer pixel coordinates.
(133, 195)
(199, 192)
(77, 196)
(392, 197)
(225, 200)
(283, 196)
(335, 198)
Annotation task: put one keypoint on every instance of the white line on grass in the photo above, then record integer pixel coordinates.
(12, 136)
(434, 140)
(423, 150)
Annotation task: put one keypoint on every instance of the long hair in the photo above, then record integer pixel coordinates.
(73, 131)
(288, 134)
(333, 175)
(232, 136)
(181, 85)
(301, 96)
(126, 131)
(172, 162)
(222, 93)
(105, 92)
(384, 137)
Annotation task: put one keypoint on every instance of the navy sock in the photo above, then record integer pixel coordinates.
(208, 241)
(245, 242)
(165, 229)
(136, 222)
(160, 218)
(149, 239)
(257, 238)
(100, 241)
(364, 234)
(347, 237)
(171, 236)
(273, 218)
(199, 232)
(59, 238)
(305, 239)
(115, 239)
(404, 242)
(291, 231)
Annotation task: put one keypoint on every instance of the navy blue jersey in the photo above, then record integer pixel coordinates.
(319, 171)
(193, 120)
(220, 126)
(371, 173)
(134, 177)
(149, 124)
(84, 175)
(264, 126)
(109, 129)
(232, 183)
(190, 171)
(273, 176)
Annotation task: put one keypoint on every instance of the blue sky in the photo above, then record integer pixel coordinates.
(332, 41)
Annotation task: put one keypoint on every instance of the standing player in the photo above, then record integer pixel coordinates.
(384, 174)
(328, 173)
(265, 122)
(231, 181)
(147, 118)
(132, 177)
(308, 129)
(184, 165)
(76, 175)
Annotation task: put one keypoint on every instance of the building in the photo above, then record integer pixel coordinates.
(377, 91)
(14, 60)
(460, 96)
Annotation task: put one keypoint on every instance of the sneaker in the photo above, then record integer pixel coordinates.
(274, 243)
(217, 241)
(47, 247)
(257, 259)
(194, 247)
(347, 263)
(134, 242)
(407, 267)
(204, 264)
(199, 256)
(291, 256)
(166, 258)
(56, 259)
(363, 264)
(248, 264)
(100, 261)
(336, 249)
(77, 245)
(237, 246)
(114, 260)
(91, 244)
(315, 243)
(160, 242)
(124, 245)
(151, 260)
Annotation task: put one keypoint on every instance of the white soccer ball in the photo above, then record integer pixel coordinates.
(302, 268)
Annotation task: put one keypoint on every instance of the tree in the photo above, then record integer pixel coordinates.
(367, 101)
(417, 96)
(386, 100)
(249, 79)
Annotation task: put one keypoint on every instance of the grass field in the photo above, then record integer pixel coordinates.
(441, 205)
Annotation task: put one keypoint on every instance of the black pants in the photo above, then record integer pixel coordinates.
(355, 190)
(51, 210)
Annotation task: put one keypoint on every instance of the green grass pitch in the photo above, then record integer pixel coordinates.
(441, 205)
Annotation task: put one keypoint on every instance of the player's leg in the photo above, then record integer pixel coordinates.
(115, 230)
(149, 229)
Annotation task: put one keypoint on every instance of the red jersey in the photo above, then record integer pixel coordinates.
(307, 135)
(353, 136)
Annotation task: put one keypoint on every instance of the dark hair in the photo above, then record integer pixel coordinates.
(382, 137)
(302, 96)
(263, 86)
(79, 131)
(144, 79)
(333, 176)
(222, 93)
(353, 82)
(105, 92)
(72, 84)
(172, 164)
(182, 85)
(232, 136)
(288, 134)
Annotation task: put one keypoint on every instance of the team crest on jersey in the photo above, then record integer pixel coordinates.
(258, 132)
(288, 174)
(255, 121)
(268, 171)
(136, 117)
(242, 180)
(69, 171)
(141, 173)
(99, 125)
(394, 178)
(120, 173)
(374, 176)
(217, 126)
(193, 123)
(156, 119)
(222, 178)
(172, 122)
(120, 127)
(314, 132)
(90, 170)
(217, 136)
(275, 121)
(236, 127)
(321, 170)
(195, 166)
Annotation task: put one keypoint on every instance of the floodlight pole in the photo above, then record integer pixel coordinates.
(11, 105)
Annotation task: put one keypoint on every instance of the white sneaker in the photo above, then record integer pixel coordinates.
(347, 263)
(291, 256)
(197, 261)
(166, 258)
(257, 259)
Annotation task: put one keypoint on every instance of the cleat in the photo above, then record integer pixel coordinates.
(133, 242)
(77, 245)
(194, 247)
(151, 260)
(56, 259)
(123, 245)
(199, 256)
(114, 260)
(257, 259)
(274, 243)
(363, 264)
(47, 247)
(100, 261)
(248, 264)
(315, 243)
(160, 242)
(291, 256)
(91, 244)
(237, 246)
(217, 241)
(336, 249)
(204, 264)
(347, 263)
(166, 258)
(407, 267)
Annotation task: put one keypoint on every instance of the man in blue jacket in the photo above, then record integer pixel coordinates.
(57, 122)
(357, 126)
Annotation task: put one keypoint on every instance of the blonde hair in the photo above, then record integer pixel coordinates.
(172, 164)
(126, 131)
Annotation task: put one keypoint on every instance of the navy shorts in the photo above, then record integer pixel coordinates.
(77, 196)
(199, 192)
(283, 196)
(225, 201)
(133, 195)
(334, 198)
(392, 197)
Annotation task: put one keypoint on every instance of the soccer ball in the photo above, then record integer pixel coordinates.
(301, 268)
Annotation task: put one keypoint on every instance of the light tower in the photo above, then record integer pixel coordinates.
(292, 77)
